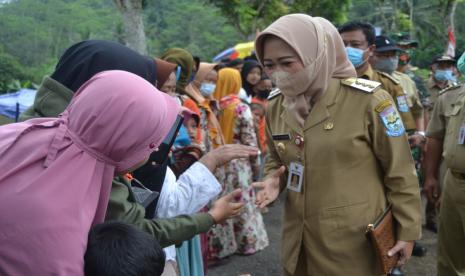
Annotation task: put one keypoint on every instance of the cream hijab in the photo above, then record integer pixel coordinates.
(321, 50)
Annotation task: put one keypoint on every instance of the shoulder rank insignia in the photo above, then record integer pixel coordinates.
(390, 118)
(366, 86)
(394, 80)
(274, 93)
(450, 87)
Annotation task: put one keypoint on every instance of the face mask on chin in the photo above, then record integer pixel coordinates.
(386, 65)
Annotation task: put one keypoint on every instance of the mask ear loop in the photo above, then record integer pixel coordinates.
(178, 73)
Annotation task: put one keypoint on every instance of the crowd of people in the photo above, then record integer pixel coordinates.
(135, 165)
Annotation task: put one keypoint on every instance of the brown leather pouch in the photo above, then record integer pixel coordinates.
(382, 235)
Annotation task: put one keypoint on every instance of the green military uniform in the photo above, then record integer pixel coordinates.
(448, 124)
(392, 86)
(52, 98)
(355, 157)
(123, 207)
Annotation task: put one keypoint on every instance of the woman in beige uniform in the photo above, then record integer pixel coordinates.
(343, 139)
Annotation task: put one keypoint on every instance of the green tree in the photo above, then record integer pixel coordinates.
(248, 16)
(189, 24)
(334, 10)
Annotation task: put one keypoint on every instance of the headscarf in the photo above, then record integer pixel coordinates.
(227, 90)
(164, 70)
(321, 50)
(192, 106)
(184, 59)
(229, 83)
(85, 59)
(193, 90)
(57, 172)
(249, 65)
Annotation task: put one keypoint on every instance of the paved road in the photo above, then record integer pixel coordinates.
(266, 263)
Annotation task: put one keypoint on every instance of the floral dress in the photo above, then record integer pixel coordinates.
(246, 233)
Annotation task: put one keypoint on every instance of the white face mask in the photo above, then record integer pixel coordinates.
(207, 89)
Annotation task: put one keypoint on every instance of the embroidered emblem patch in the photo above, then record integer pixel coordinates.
(402, 103)
(390, 118)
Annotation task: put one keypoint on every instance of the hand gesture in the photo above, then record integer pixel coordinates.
(225, 207)
(269, 188)
(226, 153)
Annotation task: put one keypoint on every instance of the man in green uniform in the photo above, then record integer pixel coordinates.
(446, 137)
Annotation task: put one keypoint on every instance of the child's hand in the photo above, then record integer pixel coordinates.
(225, 207)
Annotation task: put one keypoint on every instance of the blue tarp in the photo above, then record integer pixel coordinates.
(13, 104)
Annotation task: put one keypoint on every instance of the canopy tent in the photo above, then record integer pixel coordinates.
(13, 104)
(241, 50)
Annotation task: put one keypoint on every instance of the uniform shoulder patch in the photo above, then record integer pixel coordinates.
(274, 93)
(367, 86)
(450, 87)
(390, 118)
(394, 80)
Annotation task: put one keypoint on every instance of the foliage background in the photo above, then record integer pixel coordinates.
(34, 33)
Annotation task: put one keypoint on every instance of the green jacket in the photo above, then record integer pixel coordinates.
(52, 98)
(123, 207)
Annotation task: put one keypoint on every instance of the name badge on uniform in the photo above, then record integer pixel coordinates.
(296, 176)
(281, 137)
(462, 135)
(402, 103)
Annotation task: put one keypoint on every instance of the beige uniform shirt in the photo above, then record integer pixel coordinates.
(355, 156)
(392, 86)
(445, 124)
(410, 88)
(434, 89)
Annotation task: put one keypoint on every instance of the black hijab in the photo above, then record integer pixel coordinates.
(248, 66)
(85, 59)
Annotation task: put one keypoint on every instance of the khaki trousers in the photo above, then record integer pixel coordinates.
(451, 236)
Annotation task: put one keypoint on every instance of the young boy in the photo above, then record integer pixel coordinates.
(116, 248)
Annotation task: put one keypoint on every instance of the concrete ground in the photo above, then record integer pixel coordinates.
(266, 263)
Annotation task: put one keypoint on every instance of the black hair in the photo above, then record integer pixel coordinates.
(367, 29)
(197, 62)
(235, 62)
(116, 248)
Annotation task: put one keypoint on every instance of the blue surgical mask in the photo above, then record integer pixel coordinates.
(387, 65)
(444, 75)
(207, 89)
(355, 56)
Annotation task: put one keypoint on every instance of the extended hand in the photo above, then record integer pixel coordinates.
(225, 207)
(404, 248)
(269, 188)
(226, 153)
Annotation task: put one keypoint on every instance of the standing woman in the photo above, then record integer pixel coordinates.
(345, 146)
(57, 172)
(245, 234)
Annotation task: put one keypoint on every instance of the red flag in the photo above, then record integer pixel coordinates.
(451, 44)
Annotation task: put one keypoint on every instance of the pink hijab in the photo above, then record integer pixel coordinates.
(56, 173)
